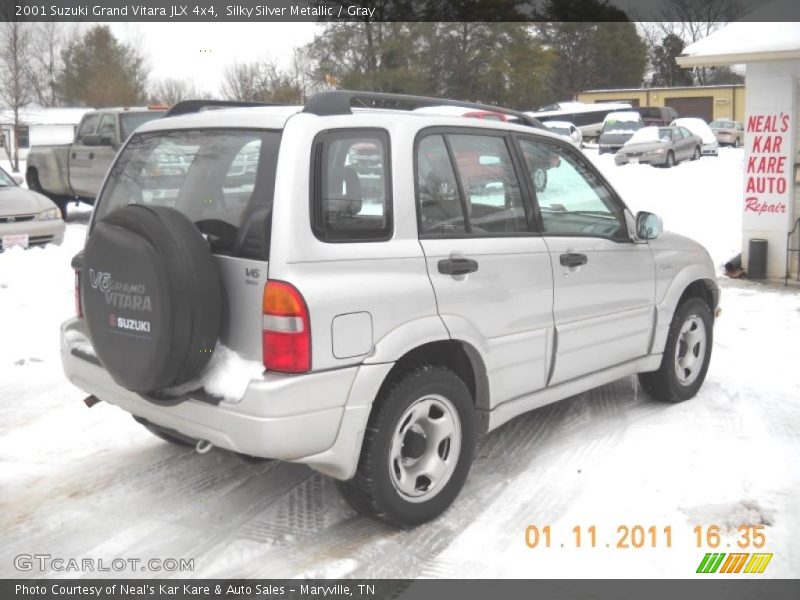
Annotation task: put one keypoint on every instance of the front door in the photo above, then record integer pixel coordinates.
(604, 283)
(490, 271)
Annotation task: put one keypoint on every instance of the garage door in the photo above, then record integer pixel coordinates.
(696, 106)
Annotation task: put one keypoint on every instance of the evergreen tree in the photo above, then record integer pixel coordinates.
(99, 70)
(666, 71)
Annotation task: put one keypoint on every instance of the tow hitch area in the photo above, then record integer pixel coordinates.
(90, 401)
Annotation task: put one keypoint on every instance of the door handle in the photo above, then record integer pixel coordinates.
(91, 155)
(572, 260)
(457, 266)
(72, 155)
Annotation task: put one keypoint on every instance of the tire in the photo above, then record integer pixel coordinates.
(737, 143)
(665, 384)
(385, 486)
(539, 179)
(168, 435)
(670, 161)
(697, 154)
(151, 296)
(32, 179)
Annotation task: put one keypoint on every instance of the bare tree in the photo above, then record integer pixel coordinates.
(15, 89)
(45, 62)
(170, 91)
(260, 81)
(693, 20)
(243, 81)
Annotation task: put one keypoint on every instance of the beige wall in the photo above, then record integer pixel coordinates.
(728, 101)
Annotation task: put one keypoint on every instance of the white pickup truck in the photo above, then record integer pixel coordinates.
(74, 172)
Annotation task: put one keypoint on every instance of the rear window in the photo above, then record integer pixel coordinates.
(129, 122)
(222, 180)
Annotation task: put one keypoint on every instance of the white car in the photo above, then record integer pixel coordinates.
(567, 130)
(388, 285)
(700, 128)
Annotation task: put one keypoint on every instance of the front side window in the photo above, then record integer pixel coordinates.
(572, 200)
(350, 198)
(87, 127)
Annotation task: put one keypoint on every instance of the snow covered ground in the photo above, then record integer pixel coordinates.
(91, 483)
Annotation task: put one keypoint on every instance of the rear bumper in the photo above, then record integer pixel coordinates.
(317, 418)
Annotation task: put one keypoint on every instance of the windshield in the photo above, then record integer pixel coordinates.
(651, 134)
(128, 122)
(222, 180)
(614, 125)
(5, 179)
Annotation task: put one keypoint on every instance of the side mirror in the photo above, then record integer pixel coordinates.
(106, 140)
(648, 226)
(90, 140)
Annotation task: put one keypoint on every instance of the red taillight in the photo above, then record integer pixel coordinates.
(286, 341)
(78, 307)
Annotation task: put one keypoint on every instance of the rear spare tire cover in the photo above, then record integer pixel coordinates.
(151, 296)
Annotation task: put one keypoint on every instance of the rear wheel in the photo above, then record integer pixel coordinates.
(32, 179)
(686, 355)
(737, 143)
(417, 449)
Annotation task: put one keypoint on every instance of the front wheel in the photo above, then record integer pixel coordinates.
(670, 162)
(686, 355)
(697, 153)
(417, 451)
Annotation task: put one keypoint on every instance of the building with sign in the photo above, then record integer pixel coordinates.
(770, 52)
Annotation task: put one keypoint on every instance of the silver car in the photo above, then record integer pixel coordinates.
(728, 132)
(26, 218)
(385, 287)
(660, 146)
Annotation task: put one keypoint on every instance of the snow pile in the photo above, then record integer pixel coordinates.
(226, 376)
(700, 199)
(75, 340)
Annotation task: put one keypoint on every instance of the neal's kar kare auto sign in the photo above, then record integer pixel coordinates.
(768, 167)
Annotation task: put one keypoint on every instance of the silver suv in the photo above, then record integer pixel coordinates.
(367, 290)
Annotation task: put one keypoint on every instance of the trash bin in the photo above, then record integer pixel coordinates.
(757, 260)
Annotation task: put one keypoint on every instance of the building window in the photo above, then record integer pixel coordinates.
(23, 140)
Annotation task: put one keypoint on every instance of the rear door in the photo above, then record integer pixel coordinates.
(604, 284)
(223, 180)
(490, 271)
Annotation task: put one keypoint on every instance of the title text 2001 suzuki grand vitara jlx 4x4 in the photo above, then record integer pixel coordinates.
(405, 281)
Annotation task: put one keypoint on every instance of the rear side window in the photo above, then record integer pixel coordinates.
(223, 180)
(350, 186)
(466, 184)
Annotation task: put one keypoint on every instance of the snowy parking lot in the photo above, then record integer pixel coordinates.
(92, 483)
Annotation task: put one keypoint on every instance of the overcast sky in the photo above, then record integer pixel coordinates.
(201, 51)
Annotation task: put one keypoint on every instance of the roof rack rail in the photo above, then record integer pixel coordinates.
(339, 102)
(185, 107)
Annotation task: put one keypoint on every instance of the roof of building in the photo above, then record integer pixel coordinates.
(36, 115)
(759, 36)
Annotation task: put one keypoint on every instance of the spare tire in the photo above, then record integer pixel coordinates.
(151, 296)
